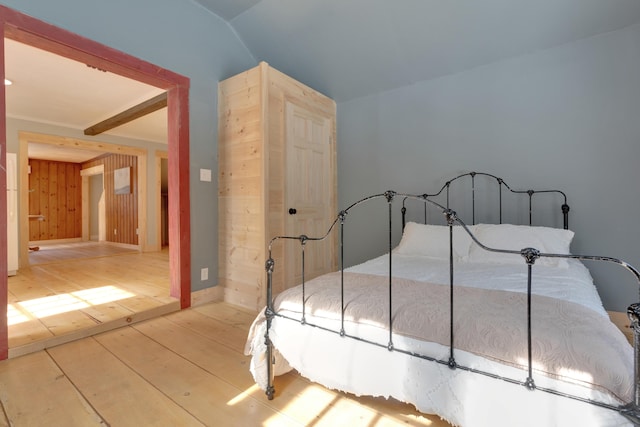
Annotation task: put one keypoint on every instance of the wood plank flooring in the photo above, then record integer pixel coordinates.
(59, 252)
(182, 369)
(81, 289)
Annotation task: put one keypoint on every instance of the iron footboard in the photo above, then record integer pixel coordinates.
(631, 410)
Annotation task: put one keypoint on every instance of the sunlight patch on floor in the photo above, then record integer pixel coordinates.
(15, 316)
(102, 295)
(63, 303)
(242, 396)
(317, 406)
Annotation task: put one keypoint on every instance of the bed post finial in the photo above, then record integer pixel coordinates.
(451, 216)
(530, 255)
(389, 194)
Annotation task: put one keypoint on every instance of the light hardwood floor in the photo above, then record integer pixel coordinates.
(77, 290)
(182, 369)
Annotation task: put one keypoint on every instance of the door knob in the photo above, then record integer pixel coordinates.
(292, 211)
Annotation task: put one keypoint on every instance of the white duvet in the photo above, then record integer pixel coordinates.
(460, 397)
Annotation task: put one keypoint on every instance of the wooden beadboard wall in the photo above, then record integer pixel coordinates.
(121, 209)
(55, 193)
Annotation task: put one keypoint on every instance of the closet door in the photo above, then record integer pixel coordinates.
(309, 207)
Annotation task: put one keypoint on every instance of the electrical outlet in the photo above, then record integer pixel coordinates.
(204, 274)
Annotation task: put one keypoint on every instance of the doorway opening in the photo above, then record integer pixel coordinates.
(25, 29)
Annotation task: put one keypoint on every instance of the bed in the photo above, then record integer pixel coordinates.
(482, 324)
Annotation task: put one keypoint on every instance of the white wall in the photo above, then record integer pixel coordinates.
(567, 117)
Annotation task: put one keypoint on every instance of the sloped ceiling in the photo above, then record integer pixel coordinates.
(343, 48)
(354, 48)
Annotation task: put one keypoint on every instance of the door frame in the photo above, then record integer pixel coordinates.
(31, 31)
(87, 211)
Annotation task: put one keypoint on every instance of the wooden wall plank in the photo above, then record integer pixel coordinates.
(122, 213)
(54, 193)
(241, 225)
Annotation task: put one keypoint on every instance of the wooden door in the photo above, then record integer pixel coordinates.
(310, 206)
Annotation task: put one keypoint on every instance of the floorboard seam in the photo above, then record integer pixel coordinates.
(80, 393)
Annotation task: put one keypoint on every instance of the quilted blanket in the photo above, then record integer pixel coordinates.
(571, 343)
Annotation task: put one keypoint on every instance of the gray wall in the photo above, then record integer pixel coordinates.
(182, 37)
(566, 117)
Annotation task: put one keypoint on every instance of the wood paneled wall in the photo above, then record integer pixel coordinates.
(121, 209)
(55, 192)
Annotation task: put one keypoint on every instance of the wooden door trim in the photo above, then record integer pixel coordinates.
(86, 194)
(26, 29)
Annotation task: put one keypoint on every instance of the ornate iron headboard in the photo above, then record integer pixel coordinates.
(501, 185)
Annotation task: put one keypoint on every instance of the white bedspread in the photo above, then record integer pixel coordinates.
(460, 397)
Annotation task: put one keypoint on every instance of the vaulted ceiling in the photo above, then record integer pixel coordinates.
(353, 48)
(343, 48)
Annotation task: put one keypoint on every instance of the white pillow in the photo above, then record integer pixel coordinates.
(517, 237)
(433, 241)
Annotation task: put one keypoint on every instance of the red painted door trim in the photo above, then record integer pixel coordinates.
(37, 33)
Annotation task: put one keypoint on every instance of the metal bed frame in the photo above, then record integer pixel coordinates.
(631, 410)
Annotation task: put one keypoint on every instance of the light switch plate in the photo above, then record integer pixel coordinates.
(205, 175)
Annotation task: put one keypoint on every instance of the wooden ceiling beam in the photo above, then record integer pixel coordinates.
(140, 110)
